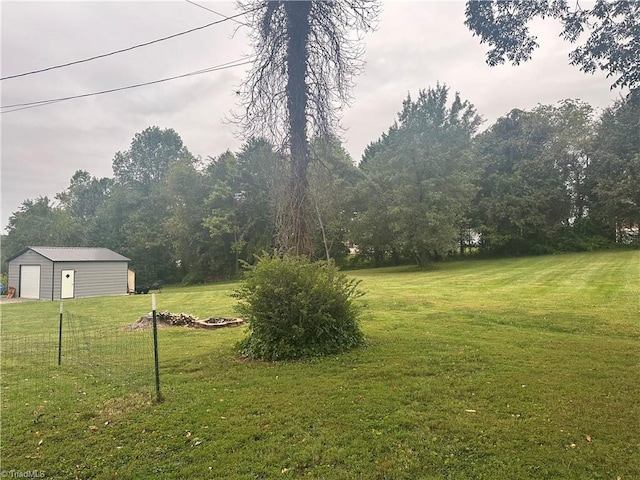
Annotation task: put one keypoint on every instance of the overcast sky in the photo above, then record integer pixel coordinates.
(416, 45)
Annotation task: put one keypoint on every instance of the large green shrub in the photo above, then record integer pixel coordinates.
(296, 308)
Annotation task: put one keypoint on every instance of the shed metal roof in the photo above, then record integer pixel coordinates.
(78, 254)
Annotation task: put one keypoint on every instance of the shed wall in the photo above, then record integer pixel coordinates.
(46, 273)
(93, 279)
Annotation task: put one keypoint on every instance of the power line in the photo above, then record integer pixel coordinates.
(33, 72)
(217, 13)
(24, 106)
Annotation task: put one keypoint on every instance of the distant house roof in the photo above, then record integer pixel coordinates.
(76, 254)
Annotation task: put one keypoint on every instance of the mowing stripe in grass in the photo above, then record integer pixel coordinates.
(519, 368)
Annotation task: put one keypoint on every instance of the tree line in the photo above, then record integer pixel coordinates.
(555, 178)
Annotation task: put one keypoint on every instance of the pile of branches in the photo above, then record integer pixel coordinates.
(176, 318)
(166, 318)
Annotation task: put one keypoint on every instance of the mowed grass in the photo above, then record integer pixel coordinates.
(505, 369)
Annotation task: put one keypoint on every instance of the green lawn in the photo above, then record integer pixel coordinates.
(505, 369)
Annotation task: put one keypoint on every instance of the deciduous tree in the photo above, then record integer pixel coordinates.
(332, 178)
(84, 195)
(425, 168)
(522, 196)
(40, 222)
(614, 172)
(185, 192)
(149, 157)
(240, 208)
(611, 28)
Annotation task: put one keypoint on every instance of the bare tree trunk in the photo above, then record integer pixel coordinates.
(296, 233)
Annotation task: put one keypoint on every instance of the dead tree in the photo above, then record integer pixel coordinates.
(306, 55)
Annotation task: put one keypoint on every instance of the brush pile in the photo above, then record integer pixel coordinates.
(176, 319)
(166, 319)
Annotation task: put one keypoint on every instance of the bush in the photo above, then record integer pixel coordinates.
(295, 308)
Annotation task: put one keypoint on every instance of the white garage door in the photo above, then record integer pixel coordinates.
(30, 281)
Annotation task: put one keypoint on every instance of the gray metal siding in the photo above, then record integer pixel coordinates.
(93, 279)
(46, 271)
(13, 274)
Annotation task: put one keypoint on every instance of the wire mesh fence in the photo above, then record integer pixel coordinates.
(91, 363)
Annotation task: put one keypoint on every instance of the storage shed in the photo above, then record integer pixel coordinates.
(55, 273)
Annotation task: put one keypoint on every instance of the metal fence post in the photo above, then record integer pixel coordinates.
(155, 347)
(60, 336)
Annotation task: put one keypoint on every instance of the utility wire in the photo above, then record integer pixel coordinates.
(217, 13)
(24, 106)
(126, 49)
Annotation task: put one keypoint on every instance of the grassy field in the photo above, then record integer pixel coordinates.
(506, 369)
